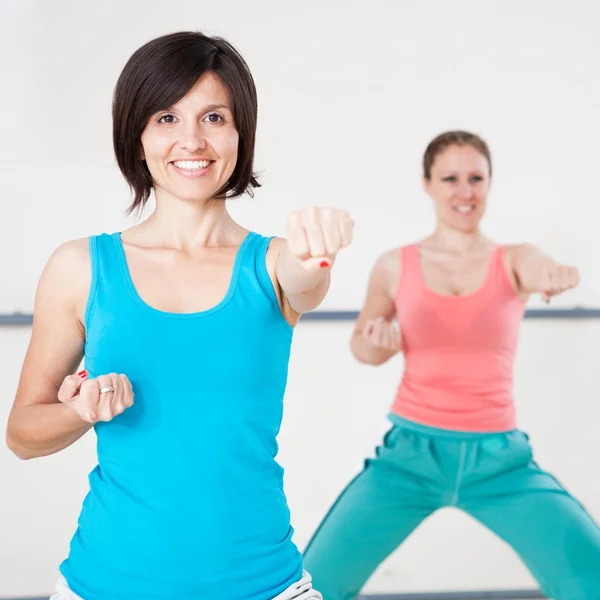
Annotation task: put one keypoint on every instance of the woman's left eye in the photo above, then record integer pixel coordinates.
(214, 118)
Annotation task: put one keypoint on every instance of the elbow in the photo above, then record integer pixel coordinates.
(365, 358)
(372, 361)
(19, 450)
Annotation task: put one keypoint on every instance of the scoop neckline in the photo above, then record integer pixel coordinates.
(175, 315)
(454, 297)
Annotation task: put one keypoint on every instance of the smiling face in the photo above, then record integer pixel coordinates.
(459, 182)
(191, 149)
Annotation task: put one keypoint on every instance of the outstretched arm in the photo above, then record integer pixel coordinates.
(538, 273)
(306, 257)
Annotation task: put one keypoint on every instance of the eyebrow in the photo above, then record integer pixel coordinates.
(454, 173)
(205, 109)
(216, 107)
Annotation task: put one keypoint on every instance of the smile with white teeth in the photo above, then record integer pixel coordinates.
(192, 165)
(465, 208)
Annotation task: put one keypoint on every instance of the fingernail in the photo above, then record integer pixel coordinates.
(324, 264)
(82, 374)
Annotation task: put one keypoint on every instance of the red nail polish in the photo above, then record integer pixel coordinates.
(324, 264)
(82, 374)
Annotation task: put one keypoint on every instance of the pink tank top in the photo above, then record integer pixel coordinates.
(459, 351)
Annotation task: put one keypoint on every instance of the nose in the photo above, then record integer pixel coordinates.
(465, 190)
(192, 138)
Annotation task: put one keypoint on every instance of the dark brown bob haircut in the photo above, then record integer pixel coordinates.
(157, 76)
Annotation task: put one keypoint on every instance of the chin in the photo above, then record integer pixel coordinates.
(470, 227)
(194, 196)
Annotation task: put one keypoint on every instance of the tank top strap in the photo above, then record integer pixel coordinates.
(254, 275)
(498, 256)
(499, 278)
(108, 269)
(410, 268)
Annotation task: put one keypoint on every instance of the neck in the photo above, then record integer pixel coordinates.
(186, 225)
(457, 241)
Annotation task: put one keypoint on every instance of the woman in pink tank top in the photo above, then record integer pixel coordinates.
(453, 304)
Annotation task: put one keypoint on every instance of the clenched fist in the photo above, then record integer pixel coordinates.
(99, 399)
(315, 235)
(382, 335)
(557, 279)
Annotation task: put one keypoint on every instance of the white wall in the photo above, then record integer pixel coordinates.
(349, 94)
(335, 412)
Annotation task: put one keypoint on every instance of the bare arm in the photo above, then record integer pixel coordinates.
(538, 273)
(305, 258)
(375, 338)
(292, 315)
(39, 424)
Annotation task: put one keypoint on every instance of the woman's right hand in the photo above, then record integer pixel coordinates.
(382, 334)
(99, 399)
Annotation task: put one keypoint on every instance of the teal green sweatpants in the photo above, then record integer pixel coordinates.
(492, 477)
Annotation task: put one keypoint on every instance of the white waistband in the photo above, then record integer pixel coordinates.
(301, 590)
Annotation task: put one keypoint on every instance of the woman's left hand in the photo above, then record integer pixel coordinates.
(538, 273)
(315, 235)
(557, 279)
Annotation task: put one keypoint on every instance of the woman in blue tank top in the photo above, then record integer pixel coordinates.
(185, 322)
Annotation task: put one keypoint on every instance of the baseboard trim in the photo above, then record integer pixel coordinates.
(495, 595)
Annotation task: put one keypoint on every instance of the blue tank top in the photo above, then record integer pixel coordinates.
(186, 501)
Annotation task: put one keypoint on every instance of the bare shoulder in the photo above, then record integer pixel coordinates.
(67, 276)
(69, 263)
(276, 246)
(72, 253)
(390, 261)
(385, 274)
(515, 254)
(58, 336)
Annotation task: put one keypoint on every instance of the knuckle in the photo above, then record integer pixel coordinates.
(310, 213)
(71, 380)
(105, 415)
(90, 388)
